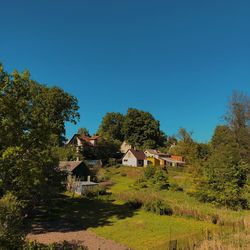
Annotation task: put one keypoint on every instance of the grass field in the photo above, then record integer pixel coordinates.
(111, 218)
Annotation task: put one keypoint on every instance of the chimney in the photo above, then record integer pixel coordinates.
(88, 178)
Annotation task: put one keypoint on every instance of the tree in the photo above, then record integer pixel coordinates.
(83, 131)
(141, 130)
(186, 147)
(11, 223)
(104, 150)
(225, 174)
(32, 122)
(238, 119)
(111, 125)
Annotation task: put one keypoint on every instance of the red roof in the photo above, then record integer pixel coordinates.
(138, 154)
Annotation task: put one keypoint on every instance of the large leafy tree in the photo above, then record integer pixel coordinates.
(225, 173)
(110, 127)
(32, 118)
(142, 130)
(238, 119)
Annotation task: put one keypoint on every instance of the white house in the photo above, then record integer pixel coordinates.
(125, 147)
(135, 158)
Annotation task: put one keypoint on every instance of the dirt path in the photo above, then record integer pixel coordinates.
(85, 237)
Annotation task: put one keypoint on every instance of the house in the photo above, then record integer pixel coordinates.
(125, 147)
(93, 163)
(135, 158)
(176, 161)
(83, 140)
(155, 157)
(77, 169)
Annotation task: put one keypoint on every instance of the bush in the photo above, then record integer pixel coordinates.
(96, 191)
(158, 206)
(160, 179)
(55, 246)
(11, 222)
(176, 187)
(134, 203)
(149, 172)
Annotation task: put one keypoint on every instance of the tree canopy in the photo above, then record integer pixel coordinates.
(32, 122)
(142, 130)
(110, 127)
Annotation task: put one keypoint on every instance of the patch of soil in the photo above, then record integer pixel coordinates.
(84, 237)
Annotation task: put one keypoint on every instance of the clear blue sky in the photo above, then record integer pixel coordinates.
(179, 60)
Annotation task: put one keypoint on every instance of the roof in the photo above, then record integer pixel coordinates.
(69, 165)
(171, 160)
(84, 138)
(139, 155)
(155, 152)
(88, 183)
(94, 137)
(93, 162)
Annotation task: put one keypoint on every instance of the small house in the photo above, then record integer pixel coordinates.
(135, 158)
(77, 169)
(125, 147)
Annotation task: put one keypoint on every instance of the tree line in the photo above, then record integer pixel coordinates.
(32, 124)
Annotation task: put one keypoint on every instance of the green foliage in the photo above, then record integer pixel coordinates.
(11, 222)
(83, 131)
(111, 125)
(54, 246)
(96, 191)
(238, 119)
(158, 206)
(32, 123)
(65, 153)
(154, 177)
(141, 130)
(104, 150)
(149, 172)
(225, 174)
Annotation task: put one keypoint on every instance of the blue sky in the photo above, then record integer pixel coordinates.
(179, 60)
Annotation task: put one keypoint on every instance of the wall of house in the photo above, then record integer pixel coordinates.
(153, 161)
(129, 160)
(125, 147)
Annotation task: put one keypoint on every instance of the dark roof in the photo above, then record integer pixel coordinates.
(69, 165)
(138, 154)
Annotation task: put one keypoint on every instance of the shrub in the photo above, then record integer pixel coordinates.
(149, 172)
(176, 187)
(158, 206)
(11, 222)
(160, 179)
(33, 245)
(96, 191)
(135, 203)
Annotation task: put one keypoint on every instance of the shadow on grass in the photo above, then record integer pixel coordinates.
(66, 214)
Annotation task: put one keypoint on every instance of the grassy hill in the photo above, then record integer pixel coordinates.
(110, 216)
(191, 220)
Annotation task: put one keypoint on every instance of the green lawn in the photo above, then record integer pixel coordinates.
(113, 219)
(146, 230)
